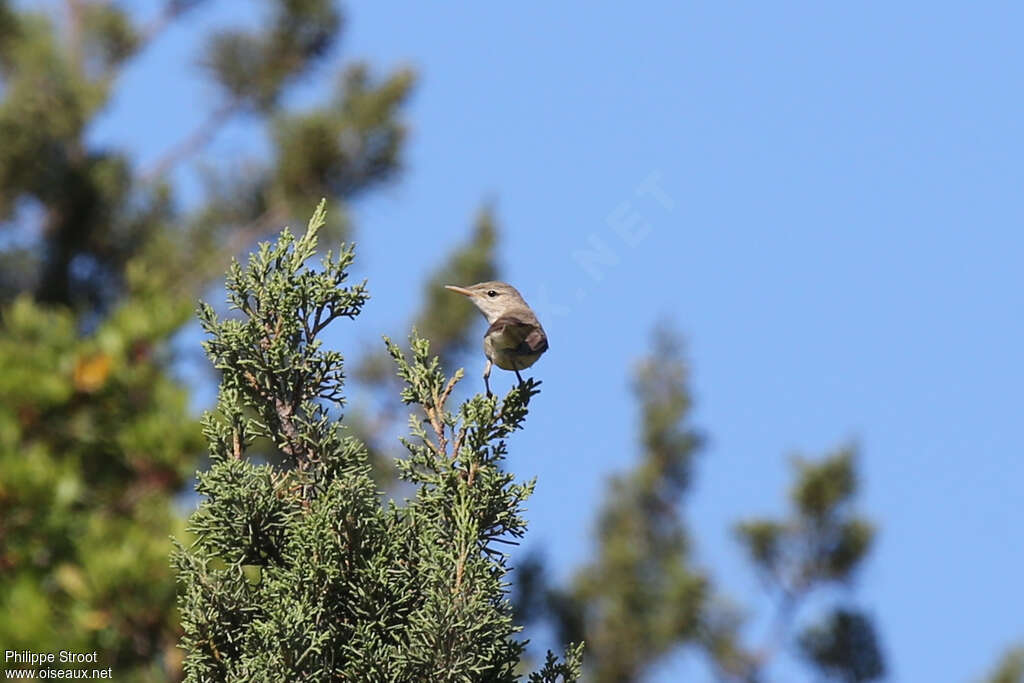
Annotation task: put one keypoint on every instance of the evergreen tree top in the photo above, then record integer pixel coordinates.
(297, 572)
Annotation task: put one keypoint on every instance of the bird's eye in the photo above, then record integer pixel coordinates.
(492, 293)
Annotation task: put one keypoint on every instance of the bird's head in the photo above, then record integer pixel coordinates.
(492, 298)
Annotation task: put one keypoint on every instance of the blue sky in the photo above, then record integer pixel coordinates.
(837, 229)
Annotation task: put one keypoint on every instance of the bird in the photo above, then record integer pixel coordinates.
(514, 339)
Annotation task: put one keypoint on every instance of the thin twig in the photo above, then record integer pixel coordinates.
(457, 445)
(249, 232)
(75, 32)
(171, 11)
(448, 390)
(437, 426)
(433, 446)
(284, 415)
(460, 568)
(195, 141)
(780, 627)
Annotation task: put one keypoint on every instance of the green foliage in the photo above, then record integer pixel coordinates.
(99, 212)
(285, 308)
(94, 441)
(824, 541)
(844, 647)
(553, 670)
(254, 67)
(109, 36)
(1010, 668)
(349, 144)
(48, 101)
(297, 572)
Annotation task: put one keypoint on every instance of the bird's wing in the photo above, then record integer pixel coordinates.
(514, 334)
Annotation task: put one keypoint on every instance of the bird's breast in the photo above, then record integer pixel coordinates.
(508, 358)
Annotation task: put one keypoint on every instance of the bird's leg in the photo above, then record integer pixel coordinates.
(487, 376)
(518, 376)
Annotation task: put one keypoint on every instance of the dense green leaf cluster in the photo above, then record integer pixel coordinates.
(297, 572)
(824, 541)
(844, 646)
(95, 440)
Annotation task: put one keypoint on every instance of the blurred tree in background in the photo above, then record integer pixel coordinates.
(1010, 668)
(643, 597)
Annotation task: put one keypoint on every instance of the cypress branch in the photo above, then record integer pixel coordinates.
(297, 572)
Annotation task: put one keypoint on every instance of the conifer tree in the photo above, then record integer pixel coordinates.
(643, 597)
(297, 572)
(822, 543)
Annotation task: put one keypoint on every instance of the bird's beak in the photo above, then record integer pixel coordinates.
(461, 290)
